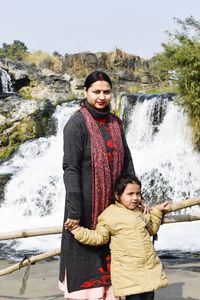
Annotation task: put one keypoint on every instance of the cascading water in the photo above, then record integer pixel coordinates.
(160, 142)
(5, 82)
(34, 197)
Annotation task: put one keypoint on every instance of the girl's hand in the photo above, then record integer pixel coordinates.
(73, 231)
(144, 207)
(164, 206)
(71, 224)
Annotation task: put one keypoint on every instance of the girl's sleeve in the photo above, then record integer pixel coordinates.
(72, 162)
(99, 236)
(154, 221)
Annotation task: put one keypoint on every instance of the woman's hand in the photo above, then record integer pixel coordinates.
(71, 224)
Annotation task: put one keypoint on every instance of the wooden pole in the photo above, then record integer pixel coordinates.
(30, 260)
(30, 232)
(181, 218)
(58, 229)
(184, 204)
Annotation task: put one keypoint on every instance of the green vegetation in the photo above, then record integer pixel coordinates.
(163, 89)
(15, 51)
(25, 92)
(181, 60)
(16, 133)
(26, 130)
(134, 89)
(18, 51)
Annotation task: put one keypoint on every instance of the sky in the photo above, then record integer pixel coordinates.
(70, 26)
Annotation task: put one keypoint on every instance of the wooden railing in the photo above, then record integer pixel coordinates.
(58, 229)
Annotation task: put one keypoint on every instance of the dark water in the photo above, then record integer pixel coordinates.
(179, 256)
(168, 258)
(184, 260)
(7, 251)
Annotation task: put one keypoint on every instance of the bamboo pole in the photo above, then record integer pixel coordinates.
(31, 260)
(30, 232)
(184, 204)
(58, 229)
(181, 218)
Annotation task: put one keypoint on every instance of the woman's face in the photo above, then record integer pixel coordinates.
(99, 94)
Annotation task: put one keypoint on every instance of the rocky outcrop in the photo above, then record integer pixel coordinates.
(29, 94)
(33, 83)
(125, 70)
(22, 120)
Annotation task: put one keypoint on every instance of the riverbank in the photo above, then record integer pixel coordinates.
(42, 283)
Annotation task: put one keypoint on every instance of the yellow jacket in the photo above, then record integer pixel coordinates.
(135, 266)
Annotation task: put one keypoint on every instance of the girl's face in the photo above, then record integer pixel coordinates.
(131, 196)
(99, 94)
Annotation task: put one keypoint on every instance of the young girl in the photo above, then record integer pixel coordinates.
(136, 270)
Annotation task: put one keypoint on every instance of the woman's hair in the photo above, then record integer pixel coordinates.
(96, 76)
(123, 181)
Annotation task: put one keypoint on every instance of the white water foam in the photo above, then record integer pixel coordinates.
(34, 197)
(5, 81)
(171, 153)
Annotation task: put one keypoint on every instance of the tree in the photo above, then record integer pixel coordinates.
(15, 51)
(182, 56)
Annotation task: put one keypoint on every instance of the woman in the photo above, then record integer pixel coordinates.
(95, 154)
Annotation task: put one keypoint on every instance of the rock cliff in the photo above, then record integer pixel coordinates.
(29, 94)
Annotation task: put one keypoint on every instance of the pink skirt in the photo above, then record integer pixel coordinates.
(105, 293)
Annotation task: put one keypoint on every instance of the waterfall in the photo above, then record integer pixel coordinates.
(5, 82)
(34, 197)
(166, 162)
(160, 142)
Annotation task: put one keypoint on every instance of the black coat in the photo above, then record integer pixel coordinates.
(83, 263)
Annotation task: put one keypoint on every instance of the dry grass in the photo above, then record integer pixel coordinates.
(42, 59)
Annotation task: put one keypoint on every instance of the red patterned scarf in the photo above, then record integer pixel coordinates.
(103, 178)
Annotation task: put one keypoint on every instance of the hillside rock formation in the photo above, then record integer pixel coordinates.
(30, 94)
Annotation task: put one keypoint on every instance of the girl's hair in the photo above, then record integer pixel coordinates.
(96, 76)
(123, 181)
